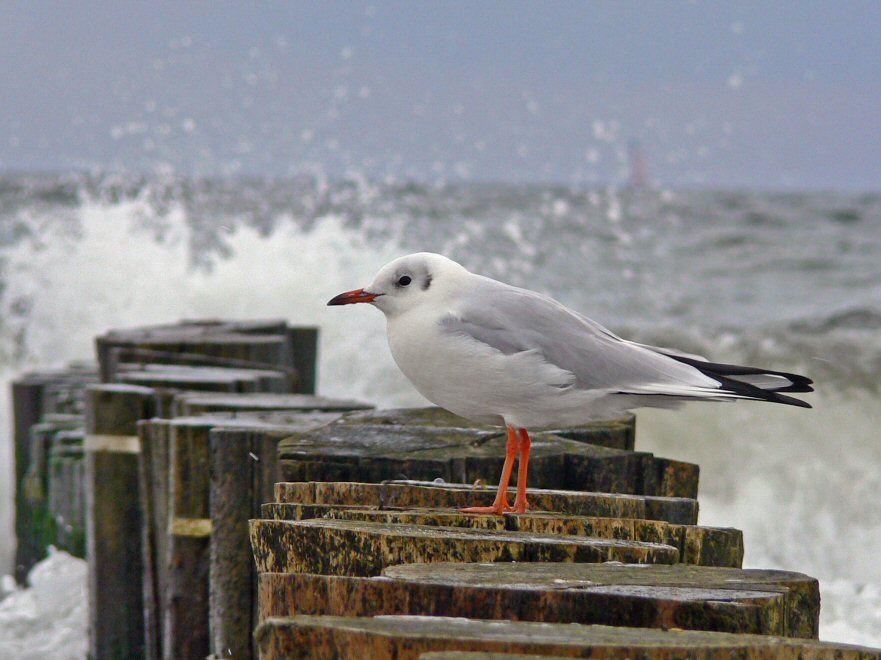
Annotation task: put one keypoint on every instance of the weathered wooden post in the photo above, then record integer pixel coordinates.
(185, 629)
(177, 531)
(178, 467)
(195, 529)
(206, 379)
(153, 483)
(27, 407)
(270, 344)
(113, 519)
(66, 495)
(244, 468)
(304, 353)
(35, 523)
(35, 395)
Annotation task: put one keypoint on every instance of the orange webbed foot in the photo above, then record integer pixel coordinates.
(495, 509)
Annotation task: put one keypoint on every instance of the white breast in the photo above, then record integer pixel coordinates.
(473, 380)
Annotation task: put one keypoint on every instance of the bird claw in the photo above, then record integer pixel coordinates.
(495, 509)
(520, 506)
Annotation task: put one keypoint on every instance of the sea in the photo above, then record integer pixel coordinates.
(785, 280)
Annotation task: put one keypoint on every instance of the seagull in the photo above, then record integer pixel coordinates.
(501, 355)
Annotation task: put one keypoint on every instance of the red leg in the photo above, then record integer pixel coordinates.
(500, 505)
(520, 504)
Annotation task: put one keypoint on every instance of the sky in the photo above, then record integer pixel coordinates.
(778, 94)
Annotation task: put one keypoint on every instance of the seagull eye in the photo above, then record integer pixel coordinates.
(405, 280)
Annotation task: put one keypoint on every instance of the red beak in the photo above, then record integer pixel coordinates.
(356, 296)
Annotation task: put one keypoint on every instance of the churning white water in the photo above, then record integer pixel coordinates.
(711, 273)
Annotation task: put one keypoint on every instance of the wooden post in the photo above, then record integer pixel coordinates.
(215, 379)
(177, 533)
(244, 467)
(181, 526)
(255, 345)
(185, 625)
(34, 395)
(27, 406)
(304, 352)
(199, 403)
(375, 452)
(113, 519)
(66, 495)
(36, 525)
(153, 481)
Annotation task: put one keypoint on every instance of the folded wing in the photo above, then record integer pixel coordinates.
(512, 320)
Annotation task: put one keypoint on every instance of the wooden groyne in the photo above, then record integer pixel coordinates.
(226, 510)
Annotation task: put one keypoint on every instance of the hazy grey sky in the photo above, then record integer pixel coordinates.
(771, 94)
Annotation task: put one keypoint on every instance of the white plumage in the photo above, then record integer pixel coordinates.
(502, 355)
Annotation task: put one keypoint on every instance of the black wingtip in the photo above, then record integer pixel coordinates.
(788, 400)
(727, 375)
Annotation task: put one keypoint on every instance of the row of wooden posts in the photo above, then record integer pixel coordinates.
(226, 511)
(114, 464)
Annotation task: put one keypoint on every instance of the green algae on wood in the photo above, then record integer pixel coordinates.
(406, 637)
(342, 547)
(66, 492)
(35, 522)
(39, 396)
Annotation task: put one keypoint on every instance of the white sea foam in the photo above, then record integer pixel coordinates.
(801, 484)
(110, 273)
(47, 620)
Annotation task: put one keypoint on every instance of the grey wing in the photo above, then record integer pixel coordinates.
(513, 320)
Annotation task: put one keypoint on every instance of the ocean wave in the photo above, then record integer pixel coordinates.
(79, 255)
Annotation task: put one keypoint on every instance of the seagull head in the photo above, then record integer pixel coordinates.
(407, 282)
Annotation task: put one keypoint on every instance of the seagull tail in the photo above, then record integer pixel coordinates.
(753, 383)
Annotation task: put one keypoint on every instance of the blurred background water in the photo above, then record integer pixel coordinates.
(700, 177)
(788, 281)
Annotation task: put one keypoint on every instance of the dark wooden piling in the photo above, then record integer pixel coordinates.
(304, 354)
(199, 403)
(653, 596)
(67, 498)
(197, 495)
(701, 546)
(185, 630)
(345, 451)
(618, 433)
(407, 637)
(343, 547)
(225, 344)
(153, 478)
(34, 396)
(174, 476)
(244, 470)
(35, 522)
(113, 519)
(432, 495)
(215, 379)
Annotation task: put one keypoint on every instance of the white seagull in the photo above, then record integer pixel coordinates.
(501, 355)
